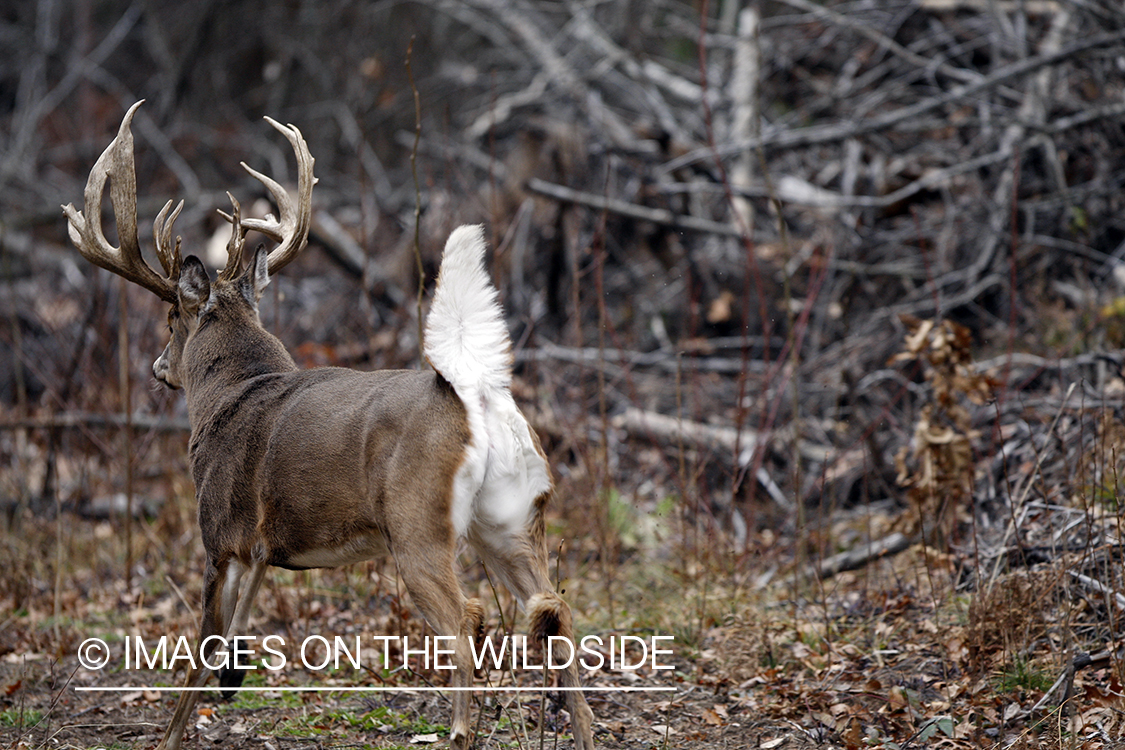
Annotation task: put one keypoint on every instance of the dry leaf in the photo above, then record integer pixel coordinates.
(719, 311)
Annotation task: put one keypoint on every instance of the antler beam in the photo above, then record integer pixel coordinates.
(116, 164)
(292, 228)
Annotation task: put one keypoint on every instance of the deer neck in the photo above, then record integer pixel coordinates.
(217, 366)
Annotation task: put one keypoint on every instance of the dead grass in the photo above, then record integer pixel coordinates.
(954, 641)
(885, 656)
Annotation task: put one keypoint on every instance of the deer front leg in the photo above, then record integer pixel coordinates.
(230, 677)
(220, 593)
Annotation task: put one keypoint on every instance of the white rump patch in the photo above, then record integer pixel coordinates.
(467, 342)
(496, 488)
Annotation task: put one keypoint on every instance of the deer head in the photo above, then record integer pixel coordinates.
(184, 283)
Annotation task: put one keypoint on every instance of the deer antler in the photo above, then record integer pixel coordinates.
(292, 228)
(116, 164)
(166, 252)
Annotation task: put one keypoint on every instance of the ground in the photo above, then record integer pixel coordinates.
(887, 656)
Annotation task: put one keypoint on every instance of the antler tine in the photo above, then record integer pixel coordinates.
(237, 240)
(292, 228)
(116, 164)
(167, 253)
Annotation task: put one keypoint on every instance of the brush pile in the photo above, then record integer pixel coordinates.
(712, 236)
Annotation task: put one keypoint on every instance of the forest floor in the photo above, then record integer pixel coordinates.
(889, 655)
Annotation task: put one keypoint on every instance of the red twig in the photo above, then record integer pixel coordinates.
(746, 236)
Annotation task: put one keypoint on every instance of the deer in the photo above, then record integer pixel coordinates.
(326, 467)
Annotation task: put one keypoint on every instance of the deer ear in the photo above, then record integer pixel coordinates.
(194, 287)
(255, 277)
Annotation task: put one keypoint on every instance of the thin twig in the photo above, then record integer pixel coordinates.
(417, 196)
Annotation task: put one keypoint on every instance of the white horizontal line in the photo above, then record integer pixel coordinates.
(376, 689)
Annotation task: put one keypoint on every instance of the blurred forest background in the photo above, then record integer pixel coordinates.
(794, 286)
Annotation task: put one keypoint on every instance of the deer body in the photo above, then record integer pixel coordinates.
(319, 468)
(322, 504)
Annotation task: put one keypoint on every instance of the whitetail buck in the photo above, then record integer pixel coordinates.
(318, 468)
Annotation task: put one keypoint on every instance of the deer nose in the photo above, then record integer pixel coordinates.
(160, 372)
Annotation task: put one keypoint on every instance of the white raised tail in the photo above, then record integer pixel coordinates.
(467, 342)
(466, 339)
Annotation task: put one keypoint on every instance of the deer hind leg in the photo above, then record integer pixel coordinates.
(519, 560)
(549, 615)
(220, 592)
(428, 571)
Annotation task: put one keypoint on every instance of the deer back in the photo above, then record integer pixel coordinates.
(306, 468)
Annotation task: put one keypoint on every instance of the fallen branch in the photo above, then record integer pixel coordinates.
(343, 248)
(1066, 679)
(724, 440)
(1099, 587)
(73, 420)
(643, 213)
(861, 555)
(798, 192)
(661, 359)
(697, 435)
